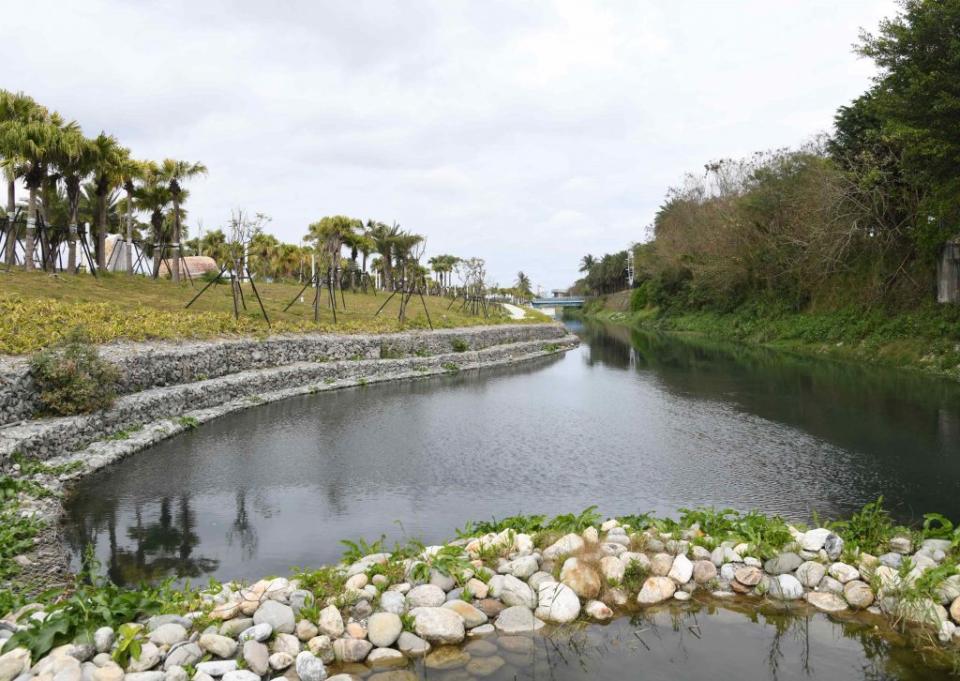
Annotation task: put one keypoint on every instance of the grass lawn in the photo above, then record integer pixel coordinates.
(37, 308)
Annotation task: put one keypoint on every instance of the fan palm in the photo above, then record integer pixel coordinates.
(176, 173)
(329, 234)
(35, 144)
(153, 197)
(16, 109)
(76, 160)
(107, 177)
(384, 240)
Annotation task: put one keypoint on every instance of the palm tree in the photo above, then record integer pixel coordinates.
(35, 143)
(77, 160)
(329, 234)
(16, 109)
(384, 239)
(153, 197)
(130, 171)
(587, 263)
(523, 286)
(176, 173)
(107, 177)
(403, 245)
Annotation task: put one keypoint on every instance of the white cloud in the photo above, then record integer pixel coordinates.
(526, 133)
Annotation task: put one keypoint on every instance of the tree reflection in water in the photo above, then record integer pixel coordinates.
(157, 547)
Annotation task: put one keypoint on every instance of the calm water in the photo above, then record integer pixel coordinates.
(630, 422)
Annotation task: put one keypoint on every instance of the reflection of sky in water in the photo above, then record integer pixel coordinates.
(630, 424)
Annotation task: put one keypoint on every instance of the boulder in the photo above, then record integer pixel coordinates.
(557, 603)
(858, 594)
(438, 625)
(748, 576)
(384, 658)
(472, 616)
(656, 590)
(661, 564)
(612, 569)
(331, 622)
(783, 564)
(280, 661)
(516, 620)
(310, 668)
(567, 544)
(682, 569)
(257, 657)
(426, 596)
(412, 645)
(843, 573)
(217, 645)
(580, 577)
(786, 588)
(384, 628)
(598, 611)
(514, 592)
(810, 573)
(351, 649)
(277, 615)
(704, 571)
(826, 601)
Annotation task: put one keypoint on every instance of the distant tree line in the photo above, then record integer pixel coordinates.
(860, 216)
(72, 180)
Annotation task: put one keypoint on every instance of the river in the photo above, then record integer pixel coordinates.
(631, 422)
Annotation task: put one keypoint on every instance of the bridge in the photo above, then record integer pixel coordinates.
(560, 301)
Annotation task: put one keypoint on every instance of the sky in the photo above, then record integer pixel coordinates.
(528, 133)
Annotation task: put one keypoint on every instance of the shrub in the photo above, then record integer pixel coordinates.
(72, 378)
(459, 345)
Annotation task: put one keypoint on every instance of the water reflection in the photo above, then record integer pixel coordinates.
(631, 422)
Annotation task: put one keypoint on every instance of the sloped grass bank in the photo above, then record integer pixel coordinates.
(926, 340)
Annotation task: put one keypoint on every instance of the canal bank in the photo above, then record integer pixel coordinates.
(167, 389)
(486, 602)
(925, 340)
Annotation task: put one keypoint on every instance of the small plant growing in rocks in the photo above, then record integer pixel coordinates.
(72, 378)
(459, 345)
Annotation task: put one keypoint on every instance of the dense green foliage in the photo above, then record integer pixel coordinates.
(857, 219)
(72, 378)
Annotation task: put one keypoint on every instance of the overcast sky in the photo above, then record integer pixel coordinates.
(526, 133)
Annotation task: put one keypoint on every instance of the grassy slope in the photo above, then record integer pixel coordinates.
(927, 339)
(38, 308)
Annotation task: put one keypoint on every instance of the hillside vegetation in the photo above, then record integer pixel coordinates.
(835, 244)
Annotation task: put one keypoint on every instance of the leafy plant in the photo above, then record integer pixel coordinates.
(450, 367)
(323, 582)
(574, 523)
(128, 643)
(72, 378)
(360, 548)
(868, 530)
(459, 345)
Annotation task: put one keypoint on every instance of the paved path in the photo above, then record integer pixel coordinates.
(514, 311)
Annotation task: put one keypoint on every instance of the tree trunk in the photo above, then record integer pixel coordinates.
(11, 210)
(101, 231)
(387, 272)
(31, 228)
(175, 246)
(129, 244)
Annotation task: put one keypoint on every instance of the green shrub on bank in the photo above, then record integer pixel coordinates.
(72, 378)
